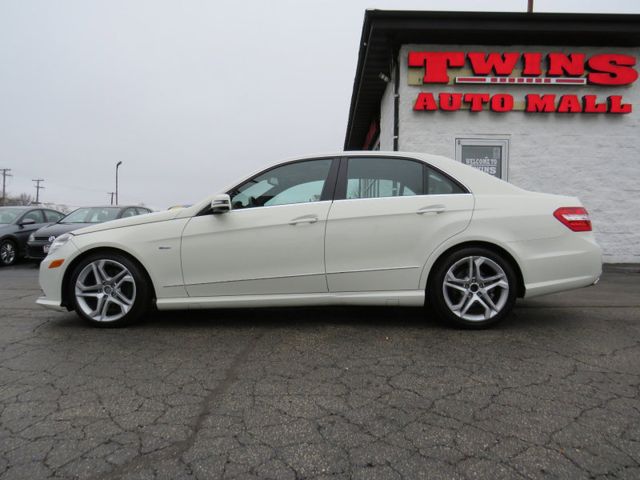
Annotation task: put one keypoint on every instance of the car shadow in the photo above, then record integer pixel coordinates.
(316, 317)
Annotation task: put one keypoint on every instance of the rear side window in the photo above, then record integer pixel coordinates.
(53, 216)
(439, 184)
(374, 177)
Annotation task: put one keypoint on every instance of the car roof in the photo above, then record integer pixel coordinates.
(111, 206)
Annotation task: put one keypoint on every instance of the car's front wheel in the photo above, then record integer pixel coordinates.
(473, 287)
(8, 252)
(109, 290)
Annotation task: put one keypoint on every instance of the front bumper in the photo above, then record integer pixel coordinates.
(35, 249)
(50, 304)
(51, 279)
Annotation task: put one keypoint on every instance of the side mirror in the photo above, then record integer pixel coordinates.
(221, 204)
(27, 221)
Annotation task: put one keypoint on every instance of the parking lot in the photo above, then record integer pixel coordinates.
(323, 393)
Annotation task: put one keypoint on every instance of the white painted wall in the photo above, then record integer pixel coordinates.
(386, 118)
(593, 156)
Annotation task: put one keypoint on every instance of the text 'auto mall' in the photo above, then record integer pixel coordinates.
(548, 102)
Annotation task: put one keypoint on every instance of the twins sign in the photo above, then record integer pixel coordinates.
(529, 69)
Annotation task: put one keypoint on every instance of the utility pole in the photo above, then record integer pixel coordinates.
(117, 166)
(112, 194)
(38, 188)
(529, 6)
(5, 174)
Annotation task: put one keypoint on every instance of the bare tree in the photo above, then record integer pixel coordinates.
(23, 199)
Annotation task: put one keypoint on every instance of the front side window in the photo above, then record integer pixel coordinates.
(300, 182)
(383, 177)
(35, 215)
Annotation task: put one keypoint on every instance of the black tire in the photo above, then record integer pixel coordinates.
(9, 252)
(137, 287)
(473, 288)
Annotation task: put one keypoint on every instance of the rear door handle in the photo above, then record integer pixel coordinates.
(304, 219)
(431, 209)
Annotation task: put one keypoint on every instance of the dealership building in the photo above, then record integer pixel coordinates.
(548, 102)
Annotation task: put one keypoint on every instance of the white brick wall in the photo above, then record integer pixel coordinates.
(386, 118)
(593, 156)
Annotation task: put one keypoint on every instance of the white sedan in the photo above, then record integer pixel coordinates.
(353, 228)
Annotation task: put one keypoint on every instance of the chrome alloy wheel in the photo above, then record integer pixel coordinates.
(105, 290)
(475, 288)
(7, 253)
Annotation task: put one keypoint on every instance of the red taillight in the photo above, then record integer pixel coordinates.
(575, 218)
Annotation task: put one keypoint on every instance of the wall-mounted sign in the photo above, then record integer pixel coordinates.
(516, 69)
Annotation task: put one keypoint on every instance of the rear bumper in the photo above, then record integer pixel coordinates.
(558, 264)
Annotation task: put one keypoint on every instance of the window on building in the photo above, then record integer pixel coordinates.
(488, 154)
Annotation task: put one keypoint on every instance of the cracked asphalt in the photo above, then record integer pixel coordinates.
(323, 393)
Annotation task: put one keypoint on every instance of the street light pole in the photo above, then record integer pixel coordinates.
(117, 166)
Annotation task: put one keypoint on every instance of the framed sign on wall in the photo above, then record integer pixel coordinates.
(491, 155)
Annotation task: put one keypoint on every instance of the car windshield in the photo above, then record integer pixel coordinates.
(9, 215)
(91, 215)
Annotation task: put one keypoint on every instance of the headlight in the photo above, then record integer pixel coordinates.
(32, 237)
(59, 242)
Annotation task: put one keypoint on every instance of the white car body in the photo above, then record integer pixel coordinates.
(366, 251)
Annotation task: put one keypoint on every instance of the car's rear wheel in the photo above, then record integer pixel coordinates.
(8, 252)
(109, 290)
(473, 287)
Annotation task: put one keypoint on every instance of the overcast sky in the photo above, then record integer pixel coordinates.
(188, 94)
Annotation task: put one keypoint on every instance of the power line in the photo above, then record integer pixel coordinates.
(5, 174)
(38, 188)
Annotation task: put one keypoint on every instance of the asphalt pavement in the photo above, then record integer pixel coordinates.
(331, 393)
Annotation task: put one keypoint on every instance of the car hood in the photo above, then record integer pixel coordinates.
(7, 228)
(57, 229)
(129, 221)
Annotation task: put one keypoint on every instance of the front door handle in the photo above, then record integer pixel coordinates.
(304, 219)
(431, 209)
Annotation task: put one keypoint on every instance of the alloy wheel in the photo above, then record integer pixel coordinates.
(475, 288)
(105, 290)
(7, 253)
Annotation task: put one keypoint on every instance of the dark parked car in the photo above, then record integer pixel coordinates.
(16, 224)
(39, 242)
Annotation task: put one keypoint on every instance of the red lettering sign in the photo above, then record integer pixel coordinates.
(601, 69)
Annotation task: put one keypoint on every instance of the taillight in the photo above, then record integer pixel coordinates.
(575, 218)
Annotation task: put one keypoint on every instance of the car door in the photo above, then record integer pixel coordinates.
(389, 214)
(271, 242)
